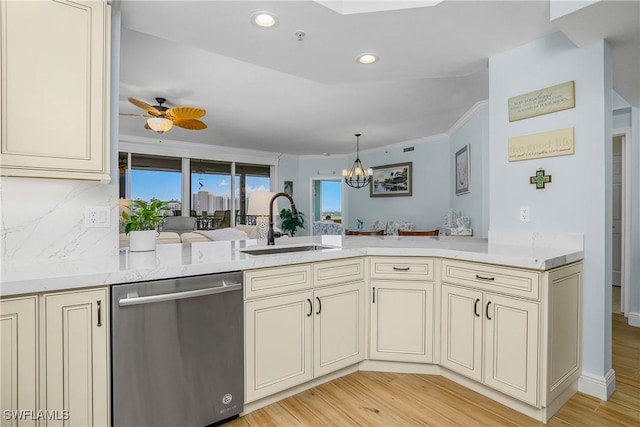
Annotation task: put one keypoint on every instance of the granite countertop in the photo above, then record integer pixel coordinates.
(538, 251)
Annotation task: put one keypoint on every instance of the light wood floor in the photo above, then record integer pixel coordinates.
(386, 399)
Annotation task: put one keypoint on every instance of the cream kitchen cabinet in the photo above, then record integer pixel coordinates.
(516, 331)
(54, 109)
(402, 310)
(494, 332)
(75, 350)
(293, 337)
(18, 357)
(278, 343)
(55, 358)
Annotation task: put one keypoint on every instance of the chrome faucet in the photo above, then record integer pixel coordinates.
(294, 214)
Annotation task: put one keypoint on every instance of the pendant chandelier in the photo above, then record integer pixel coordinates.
(357, 176)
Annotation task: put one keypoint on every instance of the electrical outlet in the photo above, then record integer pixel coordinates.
(525, 213)
(97, 217)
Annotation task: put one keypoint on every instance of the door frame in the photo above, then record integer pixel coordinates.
(312, 197)
(626, 198)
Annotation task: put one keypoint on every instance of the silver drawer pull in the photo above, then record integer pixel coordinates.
(402, 268)
(485, 278)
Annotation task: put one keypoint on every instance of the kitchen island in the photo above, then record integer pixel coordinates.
(501, 316)
(538, 251)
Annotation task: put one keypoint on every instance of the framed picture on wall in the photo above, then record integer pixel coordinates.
(463, 170)
(288, 187)
(391, 180)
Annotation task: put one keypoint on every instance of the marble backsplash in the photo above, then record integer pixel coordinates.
(44, 219)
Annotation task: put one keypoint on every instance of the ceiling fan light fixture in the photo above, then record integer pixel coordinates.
(264, 19)
(367, 58)
(159, 124)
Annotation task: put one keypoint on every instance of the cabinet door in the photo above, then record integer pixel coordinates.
(338, 327)
(278, 343)
(461, 334)
(511, 346)
(55, 89)
(18, 357)
(402, 321)
(76, 357)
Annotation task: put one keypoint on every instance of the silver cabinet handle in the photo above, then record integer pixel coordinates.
(99, 302)
(484, 278)
(178, 295)
(402, 268)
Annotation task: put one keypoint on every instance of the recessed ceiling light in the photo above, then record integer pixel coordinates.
(367, 58)
(264, 19)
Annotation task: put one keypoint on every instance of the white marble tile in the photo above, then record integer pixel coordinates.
(537, 239)
(44, 219)
(177, 260)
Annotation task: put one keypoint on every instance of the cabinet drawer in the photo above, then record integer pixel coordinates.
(413, 268)
(338, 271)
(272, 281)
(511, 281)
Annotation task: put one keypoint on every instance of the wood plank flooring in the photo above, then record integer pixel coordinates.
(388, 399)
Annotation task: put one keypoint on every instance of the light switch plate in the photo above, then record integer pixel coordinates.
(525, 213)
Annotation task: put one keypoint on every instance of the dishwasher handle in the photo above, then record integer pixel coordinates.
(179, 295)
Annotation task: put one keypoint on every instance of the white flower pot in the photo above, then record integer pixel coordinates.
(141, 241)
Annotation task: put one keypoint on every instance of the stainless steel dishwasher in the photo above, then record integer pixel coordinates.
(177, 351)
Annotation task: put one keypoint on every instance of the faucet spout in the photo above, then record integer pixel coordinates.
(294, 214)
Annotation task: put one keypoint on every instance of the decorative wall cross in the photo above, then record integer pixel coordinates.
(540, 179)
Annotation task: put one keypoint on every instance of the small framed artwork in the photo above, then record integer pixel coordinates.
(288, 187)
(463, 170)
(391, 180)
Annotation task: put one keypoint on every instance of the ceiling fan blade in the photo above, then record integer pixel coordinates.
(141, 104)
(136, 115)
(185, 113)
(191, 124)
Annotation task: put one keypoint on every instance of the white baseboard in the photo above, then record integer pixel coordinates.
(597, 386)
(634, 319)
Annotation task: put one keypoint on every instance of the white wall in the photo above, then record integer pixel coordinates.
(425, 208)
(634, 315)
(475, 204)
(577, 200)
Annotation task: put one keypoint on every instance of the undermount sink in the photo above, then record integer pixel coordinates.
(284, 249)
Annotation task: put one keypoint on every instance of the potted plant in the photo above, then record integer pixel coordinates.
(290, 224)
(141, 223)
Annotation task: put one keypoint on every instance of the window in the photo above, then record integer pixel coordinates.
(210, 186)
(249, 178)
(153, 178)
(327, 200)
(160, 177)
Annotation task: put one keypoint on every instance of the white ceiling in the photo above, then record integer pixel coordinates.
(264, 89)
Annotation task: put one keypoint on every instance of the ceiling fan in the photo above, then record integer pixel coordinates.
(162, 118)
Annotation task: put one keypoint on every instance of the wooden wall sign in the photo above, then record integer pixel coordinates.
(540, 145)
(544, 101)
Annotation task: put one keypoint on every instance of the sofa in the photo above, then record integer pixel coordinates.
(391, 227)
(323, 228)
(179, 224)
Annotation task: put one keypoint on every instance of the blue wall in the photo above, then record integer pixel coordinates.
(578, 199)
